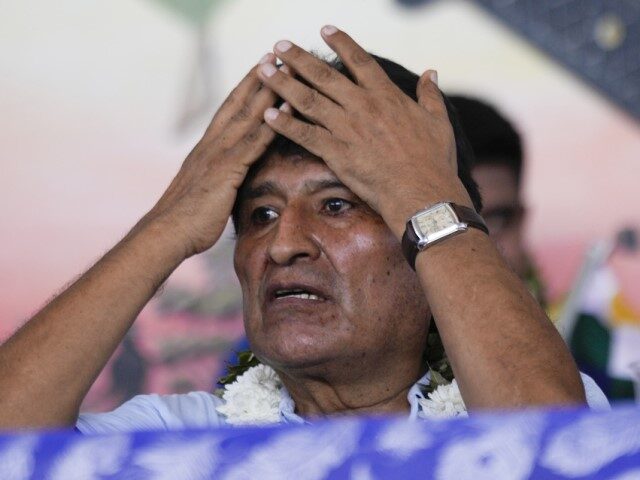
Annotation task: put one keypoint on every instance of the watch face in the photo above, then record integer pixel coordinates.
(436, 219)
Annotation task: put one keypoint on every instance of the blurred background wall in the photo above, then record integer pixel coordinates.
(101, 101)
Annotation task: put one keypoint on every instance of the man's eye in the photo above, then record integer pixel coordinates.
(263, 215)
(336, 205)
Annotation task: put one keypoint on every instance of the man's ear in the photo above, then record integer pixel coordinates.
(428, 93)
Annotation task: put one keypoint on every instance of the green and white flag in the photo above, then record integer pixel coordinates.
(605, 340)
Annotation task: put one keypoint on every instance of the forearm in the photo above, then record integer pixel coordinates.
(503, 349)
(47, 367)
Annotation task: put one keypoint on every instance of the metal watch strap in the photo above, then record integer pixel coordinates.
(410, 239)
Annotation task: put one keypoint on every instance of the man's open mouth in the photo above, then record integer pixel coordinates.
(297, 293)
(301, 292)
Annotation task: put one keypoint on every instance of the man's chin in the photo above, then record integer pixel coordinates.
(295, 357)
(299, 318)
(299, 340)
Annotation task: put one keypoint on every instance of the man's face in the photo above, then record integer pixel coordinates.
(323, 278)
(503, 212)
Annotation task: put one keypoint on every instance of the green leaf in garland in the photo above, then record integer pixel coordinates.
(246, 360)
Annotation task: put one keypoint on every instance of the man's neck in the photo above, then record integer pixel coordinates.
(369, 394)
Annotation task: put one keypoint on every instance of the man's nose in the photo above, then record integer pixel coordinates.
(293, 239)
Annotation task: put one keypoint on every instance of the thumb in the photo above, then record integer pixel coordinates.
(428, 93)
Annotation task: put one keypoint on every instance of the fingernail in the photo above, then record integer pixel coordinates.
(283, 45)
(265, 59)
(285, 107)
(329, 30)
(268, 69)
(271, 114)
(433, 76)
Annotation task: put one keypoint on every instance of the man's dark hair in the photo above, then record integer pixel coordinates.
(408, 82)
(493, 138)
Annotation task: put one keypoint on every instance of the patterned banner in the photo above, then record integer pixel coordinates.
(532, 444)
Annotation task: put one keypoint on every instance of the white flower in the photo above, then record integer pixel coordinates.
(444, 401)
(254, 398)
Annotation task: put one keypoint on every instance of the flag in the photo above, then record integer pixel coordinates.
(605, 340)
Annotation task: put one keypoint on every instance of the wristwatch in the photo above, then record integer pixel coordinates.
(435, 224)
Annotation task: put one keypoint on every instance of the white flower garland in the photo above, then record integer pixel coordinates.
(444, 401)
(254, 399)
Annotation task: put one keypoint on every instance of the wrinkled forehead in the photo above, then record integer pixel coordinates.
(284, 162)
(276, 166)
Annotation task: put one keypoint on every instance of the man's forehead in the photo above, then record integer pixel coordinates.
(304, 169)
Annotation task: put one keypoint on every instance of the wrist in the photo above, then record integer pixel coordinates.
(160, 240)
(437, 224)
(469, 246)
(404, 205)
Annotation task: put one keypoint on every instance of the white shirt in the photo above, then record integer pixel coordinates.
(198, 410)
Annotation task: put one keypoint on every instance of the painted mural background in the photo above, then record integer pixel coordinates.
(101, 101)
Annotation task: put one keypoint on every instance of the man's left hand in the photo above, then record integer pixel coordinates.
(397, 155)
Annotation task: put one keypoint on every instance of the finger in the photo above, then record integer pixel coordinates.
(428, 93)
(306, 100)
(314, 138)
(286, 107)
(363, 67)
(288, 69)
(239, 96)
(324, 78)
(247, 117)
(254, 144)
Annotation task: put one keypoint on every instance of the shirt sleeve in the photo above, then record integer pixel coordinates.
(156, 412)
(596, 399)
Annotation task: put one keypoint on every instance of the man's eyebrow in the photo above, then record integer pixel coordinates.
(272, 188)
(316, 186)
(261, 190)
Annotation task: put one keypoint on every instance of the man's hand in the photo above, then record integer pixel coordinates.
(196, 206)
(396, 154)
(47, 367)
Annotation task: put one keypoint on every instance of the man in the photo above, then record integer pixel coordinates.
(329, 300)
(498, 172)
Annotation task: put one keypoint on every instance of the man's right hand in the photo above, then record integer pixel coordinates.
(47, 367)
(196, 206)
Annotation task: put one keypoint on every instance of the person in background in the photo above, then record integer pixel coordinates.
(497, 146)
(498, 171)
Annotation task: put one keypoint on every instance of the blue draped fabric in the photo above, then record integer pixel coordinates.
(549, 444)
